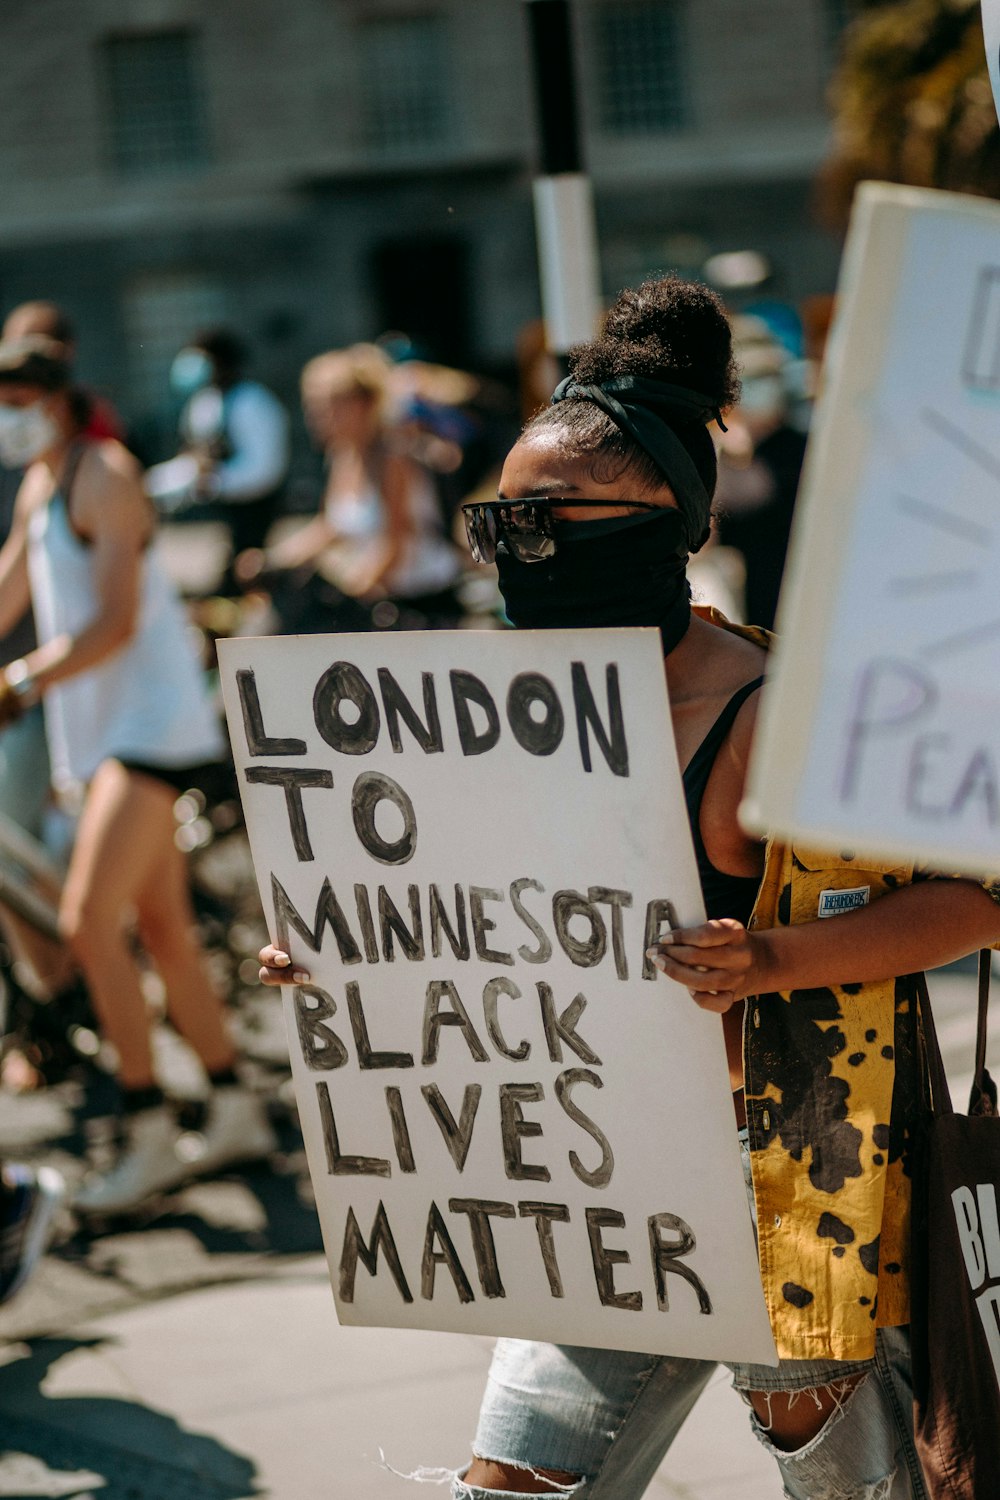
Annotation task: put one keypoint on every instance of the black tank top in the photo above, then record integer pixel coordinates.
(725, 895)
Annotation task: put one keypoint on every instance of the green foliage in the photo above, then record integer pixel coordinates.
(912, 103)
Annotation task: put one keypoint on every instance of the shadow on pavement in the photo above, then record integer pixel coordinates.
(103, 1446)
(273, 1218)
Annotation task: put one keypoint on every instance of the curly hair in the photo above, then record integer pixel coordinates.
(670, 330)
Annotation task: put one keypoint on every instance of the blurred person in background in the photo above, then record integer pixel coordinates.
(457, 425)
(24, 768)
(24, 760)
(235, 451)
(49, 321)
(129, 725)
(760, 464)
(379, 540)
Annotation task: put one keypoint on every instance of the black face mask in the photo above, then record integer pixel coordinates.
(605, 573)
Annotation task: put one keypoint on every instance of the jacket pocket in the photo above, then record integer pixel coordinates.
(829, 884)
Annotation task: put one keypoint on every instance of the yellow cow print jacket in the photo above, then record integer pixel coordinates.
(832, 1090)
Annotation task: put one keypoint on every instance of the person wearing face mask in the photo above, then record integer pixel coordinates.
(601, 502)
(760, 465)
(23, 756)
(48, 320)
(24, 760)
(129, 725)
(235, 443)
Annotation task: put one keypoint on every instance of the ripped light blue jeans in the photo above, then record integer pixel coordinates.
(609, 1417)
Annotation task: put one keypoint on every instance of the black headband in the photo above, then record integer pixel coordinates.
(651, 412)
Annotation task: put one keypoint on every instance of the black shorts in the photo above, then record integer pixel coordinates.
(212, 778)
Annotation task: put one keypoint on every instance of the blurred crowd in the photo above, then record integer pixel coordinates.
(94, 623)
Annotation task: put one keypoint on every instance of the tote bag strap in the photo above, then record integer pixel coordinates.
(939, 1102)
(983, 1100)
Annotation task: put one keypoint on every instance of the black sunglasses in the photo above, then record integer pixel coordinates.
(526, 528)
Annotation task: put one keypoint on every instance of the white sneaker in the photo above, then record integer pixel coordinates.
(238, 1130)
(148, 1165)
(35, 1196)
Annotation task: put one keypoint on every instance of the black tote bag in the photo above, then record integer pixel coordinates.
(956, 1275)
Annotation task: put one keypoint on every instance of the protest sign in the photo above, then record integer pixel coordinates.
(514, 1124)
(880, 731)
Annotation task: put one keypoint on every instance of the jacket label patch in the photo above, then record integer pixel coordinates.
(834, 903)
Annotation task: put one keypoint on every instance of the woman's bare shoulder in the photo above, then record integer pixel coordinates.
(723, 656)
(33, 492)
(107, 493)
(108, 458)
(703, 673)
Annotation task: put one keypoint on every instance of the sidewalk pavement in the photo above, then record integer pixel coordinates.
(200, 1358)
(233, 1391)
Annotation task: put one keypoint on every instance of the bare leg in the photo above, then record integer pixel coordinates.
(484, 1474)
(793, 1419)
(168, 933)
(125, 837)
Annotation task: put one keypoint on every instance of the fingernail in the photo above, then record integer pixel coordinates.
(281, 960)
(301, 976)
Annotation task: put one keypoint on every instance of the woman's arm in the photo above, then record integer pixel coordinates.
(399, 474)
(918, 927)
(302, 546)
(111, 511)
(15, 592)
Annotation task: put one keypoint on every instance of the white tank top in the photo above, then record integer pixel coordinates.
(148, 702)
(428, 563)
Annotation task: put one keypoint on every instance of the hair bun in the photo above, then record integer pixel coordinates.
(671, 330)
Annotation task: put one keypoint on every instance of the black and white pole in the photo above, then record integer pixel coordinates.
(565, 225)
(991, 31)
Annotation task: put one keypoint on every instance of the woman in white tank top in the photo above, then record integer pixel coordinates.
(379, 536)
(127, 720)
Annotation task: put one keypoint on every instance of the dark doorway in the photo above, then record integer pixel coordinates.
(422, 289)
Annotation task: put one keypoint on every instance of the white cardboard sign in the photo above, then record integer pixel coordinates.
(880, 730)
(514, 1125)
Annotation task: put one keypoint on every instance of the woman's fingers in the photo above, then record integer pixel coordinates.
(713, 962)
(276, 967)
(700, 978)
(720, 932)
(721, 943)
(718, 1001)
(734, 959)
(274, 958)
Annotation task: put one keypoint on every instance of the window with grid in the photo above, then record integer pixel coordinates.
(639, 49)
(406, 82)
(157, 120)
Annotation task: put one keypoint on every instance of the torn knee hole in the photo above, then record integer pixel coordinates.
(791, 1419)
(518, 1479)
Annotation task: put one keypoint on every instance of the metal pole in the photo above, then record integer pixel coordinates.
(565, 225)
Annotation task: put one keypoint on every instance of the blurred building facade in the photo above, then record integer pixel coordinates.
(318, 171)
